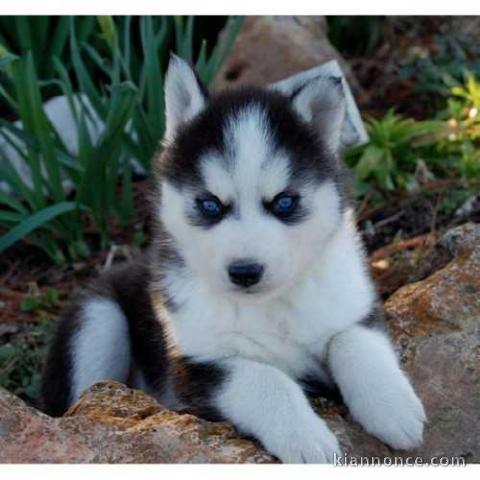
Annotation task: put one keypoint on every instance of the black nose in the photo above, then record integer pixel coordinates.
(245, 274)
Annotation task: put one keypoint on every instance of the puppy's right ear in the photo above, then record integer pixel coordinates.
(185, 97)
(320, 101)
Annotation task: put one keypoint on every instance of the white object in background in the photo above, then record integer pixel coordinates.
(353, 131)
(60, 115)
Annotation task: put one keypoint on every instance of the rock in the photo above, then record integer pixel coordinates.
(114, 424)
(270, 48)
(407, 261)
(435, 323)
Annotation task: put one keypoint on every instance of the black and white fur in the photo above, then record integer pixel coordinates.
(174, 324)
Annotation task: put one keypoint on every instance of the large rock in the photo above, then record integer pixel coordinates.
(114, 424)
(435, 324)
(270, 48)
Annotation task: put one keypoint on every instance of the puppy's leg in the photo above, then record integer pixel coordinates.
(264, 402)
(100, 348)
(375, 389)
(91, 344)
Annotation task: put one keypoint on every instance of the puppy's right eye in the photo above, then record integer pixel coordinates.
(211, 207)
(284, 205)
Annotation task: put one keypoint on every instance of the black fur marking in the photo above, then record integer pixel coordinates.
(315, 387)
(197, 383)
(310, 158)
(130, 288)
(375, 319)
(163, 256)
(56, 384)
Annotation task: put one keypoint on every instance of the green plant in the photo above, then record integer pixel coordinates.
(46, 300)
(42, 209)
(389, 161)
(121, 82)
(21, 360)
(402, 151)
(463, 119)
(46, 37)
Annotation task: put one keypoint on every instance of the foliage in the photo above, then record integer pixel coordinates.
(119, 82)
(34, 303)
(46, 37)
(463, 140)
(22, 358)
(403, 151)
(389, 160)
(433, 75)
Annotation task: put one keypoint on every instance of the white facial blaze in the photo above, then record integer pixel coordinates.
(253, 169)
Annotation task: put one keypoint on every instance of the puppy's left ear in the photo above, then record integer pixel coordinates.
(321, 102)
(185, 96)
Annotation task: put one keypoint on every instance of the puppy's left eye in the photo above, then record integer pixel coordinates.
(284, 204)
(210, 207)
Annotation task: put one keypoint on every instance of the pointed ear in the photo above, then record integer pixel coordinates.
(321, 102)
(185, 97)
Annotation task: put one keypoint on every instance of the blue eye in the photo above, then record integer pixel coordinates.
(284, 204)
(210, 207)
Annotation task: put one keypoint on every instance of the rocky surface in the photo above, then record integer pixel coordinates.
(254, 59)
(435, 324)
(113, 424)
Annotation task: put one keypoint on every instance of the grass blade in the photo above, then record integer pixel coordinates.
(33, 222)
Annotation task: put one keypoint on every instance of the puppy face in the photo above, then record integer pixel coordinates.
(249, 189)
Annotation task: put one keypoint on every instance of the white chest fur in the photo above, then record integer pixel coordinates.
(291, 331)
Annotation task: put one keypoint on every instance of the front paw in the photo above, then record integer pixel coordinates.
(393, 413)
(307, 441)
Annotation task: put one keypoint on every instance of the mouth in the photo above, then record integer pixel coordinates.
(247, 290)
(255, 292)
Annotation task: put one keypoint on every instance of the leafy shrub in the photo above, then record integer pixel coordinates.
(389, 160)
(401, 150)
(463, 118)
(121, 84)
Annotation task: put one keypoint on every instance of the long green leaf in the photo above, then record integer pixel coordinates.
(43, 134)
(33, 222)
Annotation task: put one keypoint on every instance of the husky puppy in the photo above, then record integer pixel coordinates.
(256, 284)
